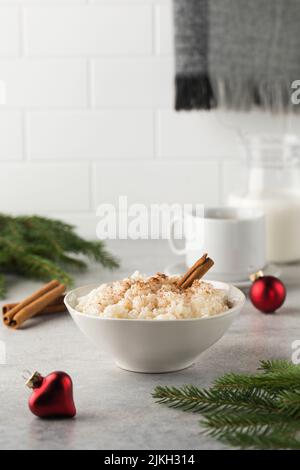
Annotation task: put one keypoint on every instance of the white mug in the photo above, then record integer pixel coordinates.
(233, 237)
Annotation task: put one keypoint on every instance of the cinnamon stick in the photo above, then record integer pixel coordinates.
(197, 271)
(198, 263)
(46, 288)
(36, 306)
(57, 306)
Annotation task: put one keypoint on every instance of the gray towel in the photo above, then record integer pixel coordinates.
(236, 53)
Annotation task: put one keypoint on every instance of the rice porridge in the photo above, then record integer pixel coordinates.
(154, 298)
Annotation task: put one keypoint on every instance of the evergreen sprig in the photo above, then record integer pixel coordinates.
(2, 286)
(44, 249)
(246, 410)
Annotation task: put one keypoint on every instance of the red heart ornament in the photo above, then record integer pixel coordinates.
(52, 396)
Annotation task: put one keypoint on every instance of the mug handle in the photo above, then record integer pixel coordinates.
(177, 251)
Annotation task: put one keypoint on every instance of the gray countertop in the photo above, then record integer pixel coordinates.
(115, 408)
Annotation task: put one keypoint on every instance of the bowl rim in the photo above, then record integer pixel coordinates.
(237, 307)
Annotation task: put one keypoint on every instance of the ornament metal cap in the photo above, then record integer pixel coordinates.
(34, 380)
(253, 277)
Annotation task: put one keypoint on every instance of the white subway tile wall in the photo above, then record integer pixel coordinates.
(163, 29)
(133, 82)
(194, 135)
(11, 137)
(10, 34)
(89, 112)
(157, 182)
(85, 135)
(45, 83)
(88, 30)
(44, 187)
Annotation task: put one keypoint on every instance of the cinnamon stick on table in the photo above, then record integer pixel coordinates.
(46, 288)
(197, 271)
(57, 306)
(33, 304)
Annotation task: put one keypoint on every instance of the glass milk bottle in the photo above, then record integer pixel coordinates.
(274, 186)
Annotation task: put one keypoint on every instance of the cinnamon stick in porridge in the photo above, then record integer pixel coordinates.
(198, 263)
(197, 271)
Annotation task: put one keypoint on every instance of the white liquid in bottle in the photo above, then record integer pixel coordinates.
(274, 187)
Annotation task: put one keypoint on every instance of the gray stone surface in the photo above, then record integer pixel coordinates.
(115, 408)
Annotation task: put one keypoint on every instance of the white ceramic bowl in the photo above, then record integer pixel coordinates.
(155, 346)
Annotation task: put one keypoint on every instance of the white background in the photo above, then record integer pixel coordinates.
(89, 112)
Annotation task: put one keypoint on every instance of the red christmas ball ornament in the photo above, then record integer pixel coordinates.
(52, 396)
(267, 293)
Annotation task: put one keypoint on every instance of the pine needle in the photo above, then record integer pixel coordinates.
(44, 249)
(276, 365)
(243, 410)
(2, 286)
(286, 379)
(273, 439)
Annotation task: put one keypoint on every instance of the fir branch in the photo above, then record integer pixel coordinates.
(238, 421)
(286, 378)
(252, 411)
(276, 365)
(40, 268)
(191, 398)
(72, 263)
(269, 435)
(66, 240)
(45, 248)
(2, 286)
(97, 252)
(290, 402)
(273, 439)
